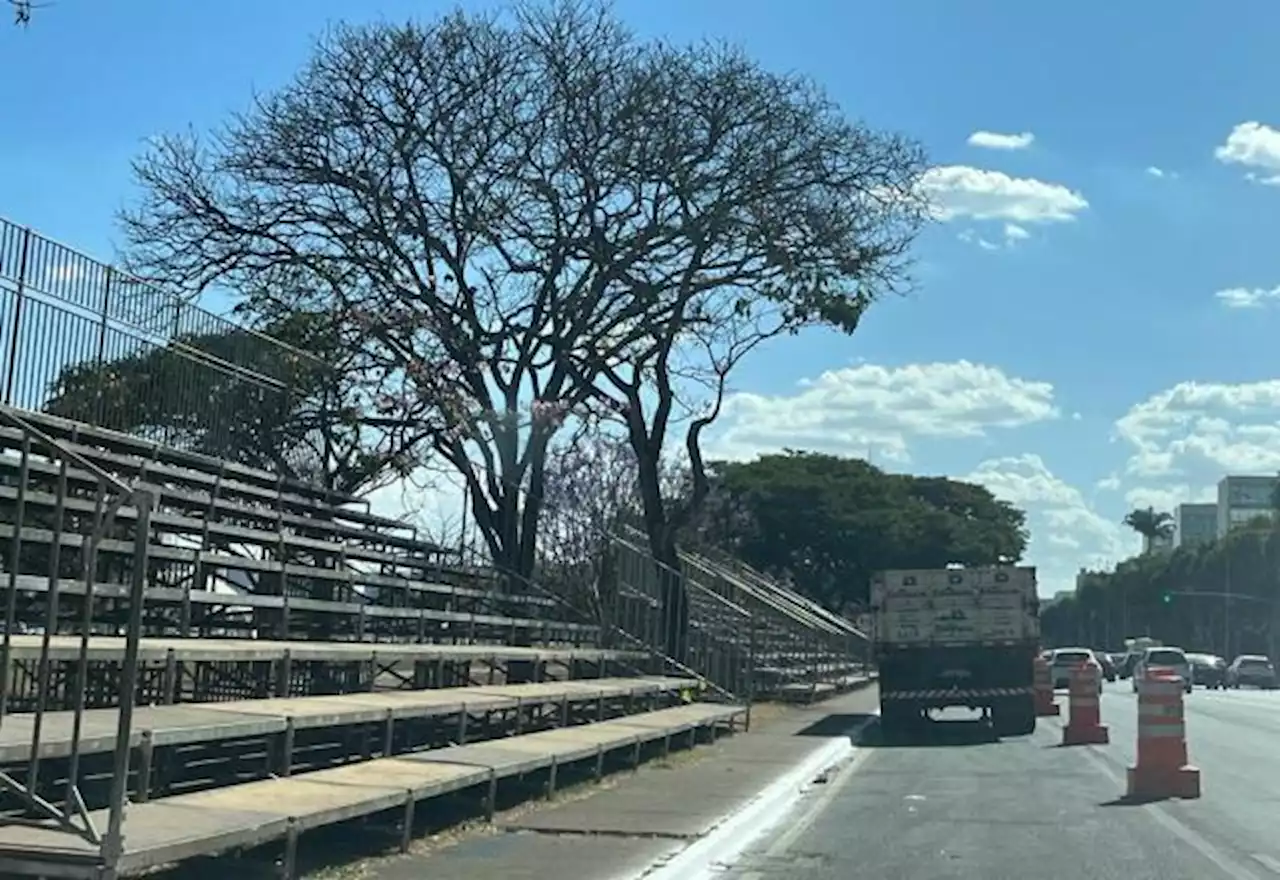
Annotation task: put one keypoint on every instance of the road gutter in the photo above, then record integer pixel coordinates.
(739, 829)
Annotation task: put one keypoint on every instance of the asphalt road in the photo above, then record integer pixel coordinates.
(961, 806)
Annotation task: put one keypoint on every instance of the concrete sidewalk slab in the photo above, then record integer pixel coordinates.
(643, 819)
(531, 856)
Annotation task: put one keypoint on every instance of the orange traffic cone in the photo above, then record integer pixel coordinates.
(1162, 770)
(1084, 727)
(1045, 706)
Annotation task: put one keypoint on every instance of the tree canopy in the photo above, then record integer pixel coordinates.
(1151, 524)
(278, 399)
(528, 218)
(828, 522)
(1221, 597)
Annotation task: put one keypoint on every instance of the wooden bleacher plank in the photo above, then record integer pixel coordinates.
(187, 723)
(252, 813)
(107, 648)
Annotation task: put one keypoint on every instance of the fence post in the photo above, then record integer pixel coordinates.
(113, 843)
(23, 261)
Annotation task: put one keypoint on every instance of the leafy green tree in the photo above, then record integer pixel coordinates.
(1222, 597)
(829, 522)
(242, 395)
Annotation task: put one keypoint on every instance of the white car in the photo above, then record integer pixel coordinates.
(1173, 659)
(1063, 660)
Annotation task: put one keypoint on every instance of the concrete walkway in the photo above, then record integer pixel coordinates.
(644, 820)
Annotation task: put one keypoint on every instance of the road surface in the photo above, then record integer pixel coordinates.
(963, 807)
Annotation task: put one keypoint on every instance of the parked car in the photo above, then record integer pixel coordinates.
(1208, 670)
(1066, 659)
(1254, 670)
(1174, 659)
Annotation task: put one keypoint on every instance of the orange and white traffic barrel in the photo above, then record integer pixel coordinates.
(1084, 691)
(1045, 706)
(1162, 770)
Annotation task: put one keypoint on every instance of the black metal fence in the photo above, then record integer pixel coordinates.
(84, 340)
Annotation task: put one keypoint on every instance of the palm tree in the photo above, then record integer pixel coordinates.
(1152, 526)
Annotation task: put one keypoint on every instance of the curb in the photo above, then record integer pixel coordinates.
(705, 857)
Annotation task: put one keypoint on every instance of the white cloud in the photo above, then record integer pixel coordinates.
(1013, 232)
(877, 410)
(994, 141)
(1154, 171)
(969, 236)
(1012, 235)
(1166, 498)
(1246, 297)
(1186, 438)
(960, 191)
(1066, 532)
(1254, 146)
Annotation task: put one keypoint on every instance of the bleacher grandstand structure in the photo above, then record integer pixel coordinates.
(204, 657)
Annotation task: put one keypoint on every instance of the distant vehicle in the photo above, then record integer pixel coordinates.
(1208, 670)
(957, 637)
(1066, 659)
(1108, 665)
(1134, 648)
(1174, 659)
(1253, 670)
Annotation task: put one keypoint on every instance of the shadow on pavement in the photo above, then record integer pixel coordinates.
(1129, 801)
(837, 725)
(929, 733)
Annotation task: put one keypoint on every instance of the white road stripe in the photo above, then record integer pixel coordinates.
(705, 858)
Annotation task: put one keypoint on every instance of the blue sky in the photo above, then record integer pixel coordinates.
(1078, 369)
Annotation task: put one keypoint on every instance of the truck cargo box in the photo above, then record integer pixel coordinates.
(994, 605)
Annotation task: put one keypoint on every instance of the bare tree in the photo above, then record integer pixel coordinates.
(528, 218)
(591, 490)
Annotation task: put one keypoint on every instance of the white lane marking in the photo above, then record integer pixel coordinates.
(738, 830)
(830, 792)
(1229, 866)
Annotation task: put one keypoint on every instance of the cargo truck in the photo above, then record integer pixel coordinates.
(957, 637)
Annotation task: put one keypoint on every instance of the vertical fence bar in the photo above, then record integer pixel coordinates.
(102, 515)
(113, 844)
(24, 260)
(50, 626)
(11, 601)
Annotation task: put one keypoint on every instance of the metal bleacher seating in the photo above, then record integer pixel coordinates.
(202, 657)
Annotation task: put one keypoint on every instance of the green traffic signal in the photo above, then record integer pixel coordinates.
(1168, 597)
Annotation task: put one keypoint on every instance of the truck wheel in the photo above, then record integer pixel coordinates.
(1014, 717)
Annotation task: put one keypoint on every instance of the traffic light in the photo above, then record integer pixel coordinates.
(1166, 597)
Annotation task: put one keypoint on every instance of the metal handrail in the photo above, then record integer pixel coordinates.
(54, 445)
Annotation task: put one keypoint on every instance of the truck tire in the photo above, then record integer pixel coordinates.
(1015, 717)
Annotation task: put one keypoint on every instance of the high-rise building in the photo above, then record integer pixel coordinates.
(1243, 499)
(1194, 524)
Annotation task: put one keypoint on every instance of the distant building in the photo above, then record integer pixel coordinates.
(1243, 499)
(1195, 524)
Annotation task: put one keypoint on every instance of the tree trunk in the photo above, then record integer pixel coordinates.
(675, 600)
